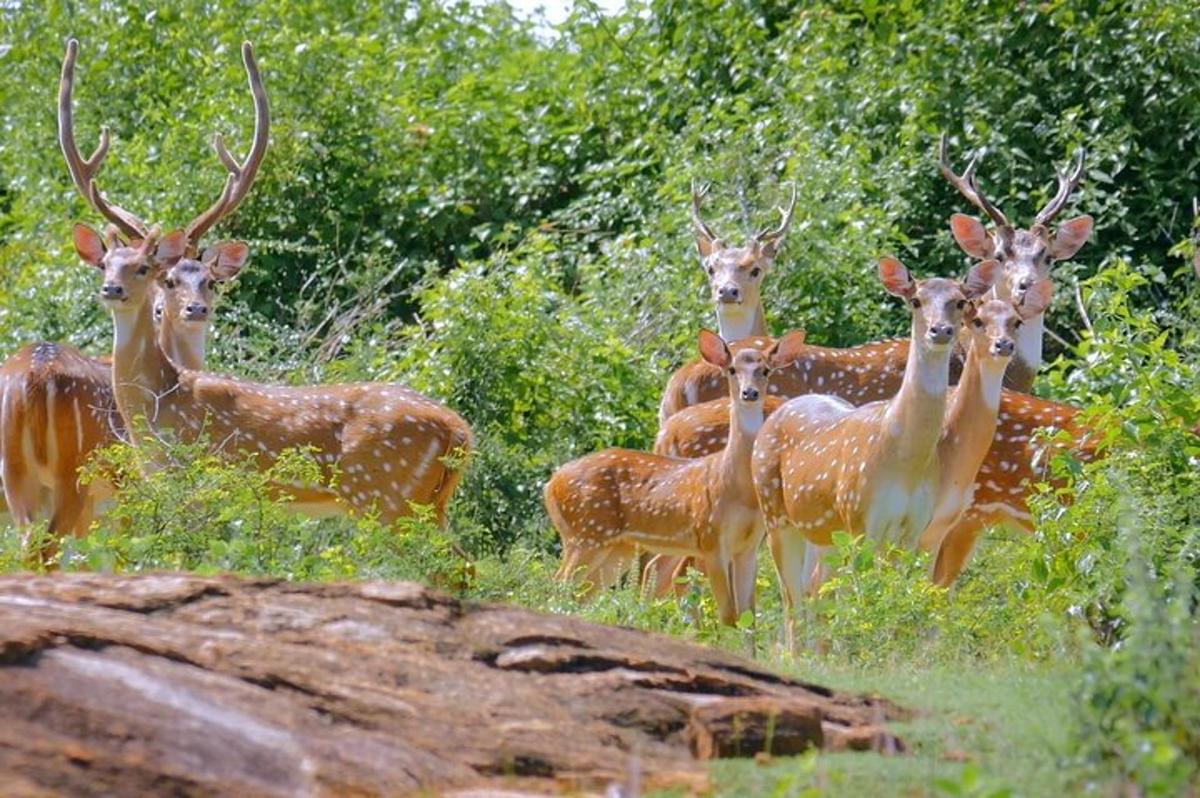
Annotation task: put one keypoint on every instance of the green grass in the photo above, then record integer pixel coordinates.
(980, 728)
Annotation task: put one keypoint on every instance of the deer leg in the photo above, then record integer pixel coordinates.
(606, 568)
(789, 551)
(680, 570)
(719, 566)
(955, 551)
(22, 492)
(25, 496)
(745, 572)
(659, 574)
(651, 566)
(584, 566)
(570, 562)
(816, 571)
(71, 515)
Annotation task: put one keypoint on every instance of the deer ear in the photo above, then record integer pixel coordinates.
(707, 245)
(769, 249)
(786, 350)
(89, 245)
(980, 278)
(972, 236)
(226, 259)
(714, 350)
(1070, 236)
(1037, 299)
(895, 278)
(171, 248)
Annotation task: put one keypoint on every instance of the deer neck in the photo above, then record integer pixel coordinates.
(745, 419)
(915, 415)
(142, 374)
(1027, 361)
(1029, 341)
(184, 345)
(971, 415)
(735, 322)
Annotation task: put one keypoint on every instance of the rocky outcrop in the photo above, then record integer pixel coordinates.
(166, 683)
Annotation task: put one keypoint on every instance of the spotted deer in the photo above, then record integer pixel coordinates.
(56, 404)
(735, 277)
(972, 413)
(1026, 255)
(1015, 463)
(607, 505)
(383, 447)
(872, 371)
(820, 464)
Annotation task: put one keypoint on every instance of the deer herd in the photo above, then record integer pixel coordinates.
(382, 448)
(921, 442)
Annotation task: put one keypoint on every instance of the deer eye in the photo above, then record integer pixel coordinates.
(755, 271)
(711, 271)
(978, 323)
(143, 271)
(916, 303)
(1017, 325)
(732, 371)
(212, 285)
(960, 304)
(170, 283)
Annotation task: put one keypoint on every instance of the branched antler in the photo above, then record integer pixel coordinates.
(84, 170)
(1067, 183)
(772, 235)
(241, 175)
(967, 184)
(699, 192)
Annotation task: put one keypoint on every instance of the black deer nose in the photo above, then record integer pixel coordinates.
(196, 310)
(111, 291)
(941, 333)
(750, 394)
(1004, 347)
(1024, 283)
(729, 293)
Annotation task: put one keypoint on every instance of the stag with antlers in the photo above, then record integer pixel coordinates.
(735, 276)
(1026, 255)
(384, 448)
(56, 405)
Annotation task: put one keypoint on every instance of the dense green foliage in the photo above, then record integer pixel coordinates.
(496, 214)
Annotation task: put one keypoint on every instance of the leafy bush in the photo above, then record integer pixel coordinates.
(1141, 697)
(546, 379)
(199, 512)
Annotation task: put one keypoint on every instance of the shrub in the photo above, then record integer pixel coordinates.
(1140, 698)
(197, 511)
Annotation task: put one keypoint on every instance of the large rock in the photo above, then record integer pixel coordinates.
(136, 685)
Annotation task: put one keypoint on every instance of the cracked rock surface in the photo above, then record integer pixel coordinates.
(180, 684)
